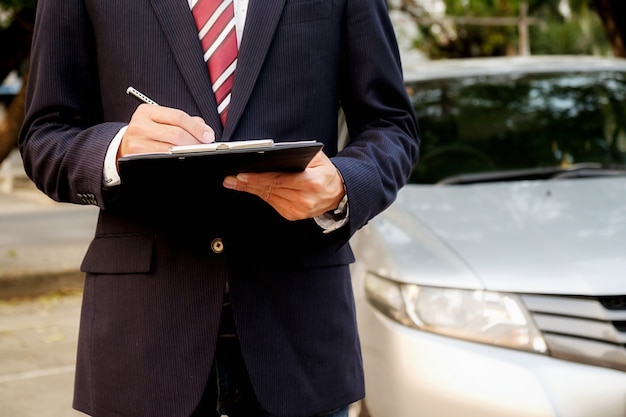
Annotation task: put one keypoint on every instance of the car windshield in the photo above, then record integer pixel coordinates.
(511, 127)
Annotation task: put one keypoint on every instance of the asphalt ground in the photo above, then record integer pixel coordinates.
(42, 243)
(38, 350)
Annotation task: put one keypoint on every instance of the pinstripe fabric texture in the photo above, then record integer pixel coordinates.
(215, 20)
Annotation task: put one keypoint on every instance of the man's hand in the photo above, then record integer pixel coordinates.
(157, 128)
(295, 196)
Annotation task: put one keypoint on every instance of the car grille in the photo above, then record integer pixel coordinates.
(589, 330)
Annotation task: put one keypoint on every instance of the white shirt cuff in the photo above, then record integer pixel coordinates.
(111, 175)
(334, 220)
(328, 223)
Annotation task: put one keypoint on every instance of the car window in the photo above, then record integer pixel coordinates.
(519, 122)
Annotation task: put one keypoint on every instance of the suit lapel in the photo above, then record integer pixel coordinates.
(180, 31)
(261, 22)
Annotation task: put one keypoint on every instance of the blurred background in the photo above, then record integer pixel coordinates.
(42, 242)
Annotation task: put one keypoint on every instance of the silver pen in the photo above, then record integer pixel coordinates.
(140, 96)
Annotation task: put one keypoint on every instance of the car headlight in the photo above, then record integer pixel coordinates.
(481, 316)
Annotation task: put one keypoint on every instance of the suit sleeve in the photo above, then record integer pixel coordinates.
(64, 138)
(384, 139)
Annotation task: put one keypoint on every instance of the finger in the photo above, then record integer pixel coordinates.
(147, 136)
(137, 145)
(278, 180)
(292, 204)
(266, 192)
(201, 131)
(262, 189)
(179, 128)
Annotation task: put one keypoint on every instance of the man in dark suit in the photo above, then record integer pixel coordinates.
(229, 297)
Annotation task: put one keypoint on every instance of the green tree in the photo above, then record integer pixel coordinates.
(572, 29)
(476, 39)
(492, 27)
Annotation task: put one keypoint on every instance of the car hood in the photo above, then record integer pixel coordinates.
(550, 237)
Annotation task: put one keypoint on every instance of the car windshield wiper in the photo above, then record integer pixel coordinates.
(582, 170)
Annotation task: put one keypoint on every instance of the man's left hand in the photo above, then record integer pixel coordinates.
(295, 196)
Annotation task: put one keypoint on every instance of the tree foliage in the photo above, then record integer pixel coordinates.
(480, 40)
(18, 4)
(576, 31)
(490, 27)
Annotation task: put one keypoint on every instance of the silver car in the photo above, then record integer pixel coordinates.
(496, 284)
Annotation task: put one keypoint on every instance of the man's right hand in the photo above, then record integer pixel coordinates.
(157, 128)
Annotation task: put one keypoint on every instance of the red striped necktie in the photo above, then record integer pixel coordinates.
(215, 20)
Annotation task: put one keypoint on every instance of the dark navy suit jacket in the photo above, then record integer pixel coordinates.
(154, 286)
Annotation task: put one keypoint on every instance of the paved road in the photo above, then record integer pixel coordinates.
(38, 347)
(41, 246)
(41, 242)
(55, 238)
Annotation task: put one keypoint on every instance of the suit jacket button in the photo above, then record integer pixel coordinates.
(217, 245)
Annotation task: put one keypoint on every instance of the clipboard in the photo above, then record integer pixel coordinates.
(214, 161)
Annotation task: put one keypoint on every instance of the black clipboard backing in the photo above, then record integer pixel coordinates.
(216, 164)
